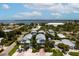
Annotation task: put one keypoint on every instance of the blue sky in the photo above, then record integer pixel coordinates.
(20, 11)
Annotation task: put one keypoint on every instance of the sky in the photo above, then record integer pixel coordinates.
(20, 11)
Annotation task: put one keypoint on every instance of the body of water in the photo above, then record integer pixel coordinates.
(36, 21)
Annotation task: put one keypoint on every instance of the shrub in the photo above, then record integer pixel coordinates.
(74, 53)
(51, 44)
(48, 49)
(57, 52)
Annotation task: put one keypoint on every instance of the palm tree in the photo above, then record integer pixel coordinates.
(2, 43)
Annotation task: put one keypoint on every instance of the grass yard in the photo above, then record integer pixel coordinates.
(13, 50)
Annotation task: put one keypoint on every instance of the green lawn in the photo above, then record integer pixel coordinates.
(13, 50)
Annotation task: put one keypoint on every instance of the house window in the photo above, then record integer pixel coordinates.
(41, 41)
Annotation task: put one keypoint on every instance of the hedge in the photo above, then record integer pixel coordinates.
(57, 52)
(74, 53)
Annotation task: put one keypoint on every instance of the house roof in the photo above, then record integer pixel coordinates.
(7, 30)
(55, 24)
(41, 31)
(41, 37)
(34, 31)
(28, 36)
(50, 30)
(1, 39)
(61, 35)
(27, 41)
(68, 42)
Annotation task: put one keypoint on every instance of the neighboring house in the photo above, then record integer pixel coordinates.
(33, 32)
(40, 38)
(51, 32)
(41, 32)
(61, 35)
(1, 39)
(7, 30)
(65, 41)
(68, 42)
(0, 42)
(26, 39)
(55, 24)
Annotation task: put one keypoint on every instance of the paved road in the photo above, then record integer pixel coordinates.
(7, 50)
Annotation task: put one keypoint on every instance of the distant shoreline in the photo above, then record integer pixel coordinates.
(37, 21)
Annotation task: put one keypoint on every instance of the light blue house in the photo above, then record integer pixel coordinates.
(40, 38)
(33, 32)
(27, 39)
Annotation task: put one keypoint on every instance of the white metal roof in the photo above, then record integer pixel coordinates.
(34, 31)
(61, 35)
(50, 30)
(41, 31)
(1, 39)
(7, 30)
(55, 24)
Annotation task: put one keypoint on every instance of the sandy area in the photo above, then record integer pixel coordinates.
(29, 53)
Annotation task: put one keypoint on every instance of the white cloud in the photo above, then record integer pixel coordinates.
(38, 6)
(55, 7)
(34, 13)
(24, 15)
(5, 6)
(17, 16)
(76, 11)
(56, 14)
